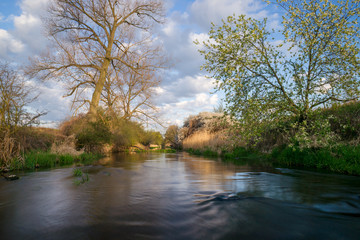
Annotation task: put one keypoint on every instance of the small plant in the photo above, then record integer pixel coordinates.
(77, 172)
(82, 177)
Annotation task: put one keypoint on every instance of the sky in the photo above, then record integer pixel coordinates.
(185, 90)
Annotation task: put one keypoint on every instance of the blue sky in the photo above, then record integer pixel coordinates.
(185, 90)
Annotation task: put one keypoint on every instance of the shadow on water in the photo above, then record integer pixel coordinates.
(178, 196)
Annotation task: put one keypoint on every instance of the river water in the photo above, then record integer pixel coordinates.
(178, 196)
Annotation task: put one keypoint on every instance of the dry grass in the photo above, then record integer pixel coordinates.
(205, 140)
(66, 146)
(10, 150)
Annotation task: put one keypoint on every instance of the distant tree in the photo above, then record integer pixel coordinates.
(172, 136)
(315, 64)
(93, 37)
(15, 95)
(157, 138)
(151, 137)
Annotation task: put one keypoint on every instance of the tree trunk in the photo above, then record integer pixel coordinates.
(94, 104)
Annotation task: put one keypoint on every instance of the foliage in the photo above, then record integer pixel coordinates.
(172, 136)
(266, 81)
(93, 136)
(77, 172)
(345, 120)
(313, 133)
(89, 135)
(341, 159)
(126, 134)
(151, 137)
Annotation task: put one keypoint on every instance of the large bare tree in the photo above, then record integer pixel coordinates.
(94, 38)
(129, 93)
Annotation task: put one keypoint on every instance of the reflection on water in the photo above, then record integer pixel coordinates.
(177, 196)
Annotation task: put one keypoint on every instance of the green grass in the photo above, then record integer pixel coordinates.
(87, 158)
(164, 150)
(151, 150)
(340, 159)
(39, 159)
(206, 152)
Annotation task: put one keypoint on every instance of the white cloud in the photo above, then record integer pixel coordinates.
(26, 38)
(170, 28)
(178, 111)
(34, 6)
(201, 37)
(26, 23)
(189, 86)
(206, 11)
(29, 27)
(52, 101)
(9, 44)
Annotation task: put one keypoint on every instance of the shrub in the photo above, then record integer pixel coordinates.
(90, 136)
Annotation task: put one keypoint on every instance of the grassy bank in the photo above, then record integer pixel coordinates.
(39, 159)
(238, 154)
(328, 139)
(343, 159)
(340, 159)
(149, 150)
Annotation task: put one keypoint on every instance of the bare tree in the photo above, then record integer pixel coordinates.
(128, 94)
(93, 37)
(15, 94)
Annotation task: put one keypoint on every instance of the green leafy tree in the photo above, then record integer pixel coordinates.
(315, 63)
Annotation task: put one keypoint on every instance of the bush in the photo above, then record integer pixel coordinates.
(90, 136)
(126, 134)
(93, 136)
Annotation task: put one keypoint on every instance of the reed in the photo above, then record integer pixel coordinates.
(204, 140)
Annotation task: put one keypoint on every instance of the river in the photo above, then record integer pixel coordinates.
(179, 196)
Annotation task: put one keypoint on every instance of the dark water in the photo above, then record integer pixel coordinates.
(177, 196)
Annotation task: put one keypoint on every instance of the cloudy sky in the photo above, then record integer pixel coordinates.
(184, 91)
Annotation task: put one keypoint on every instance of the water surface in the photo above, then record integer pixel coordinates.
(178, 196)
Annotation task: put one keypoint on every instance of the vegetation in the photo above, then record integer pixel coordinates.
(81, 176)
(341, 159)
(39, 159)
(294, 101)
(266, 81)
(330, 141)
(172, 137)
(15, 119)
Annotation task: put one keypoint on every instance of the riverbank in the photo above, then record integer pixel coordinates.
(344, 159)
(39, 159)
